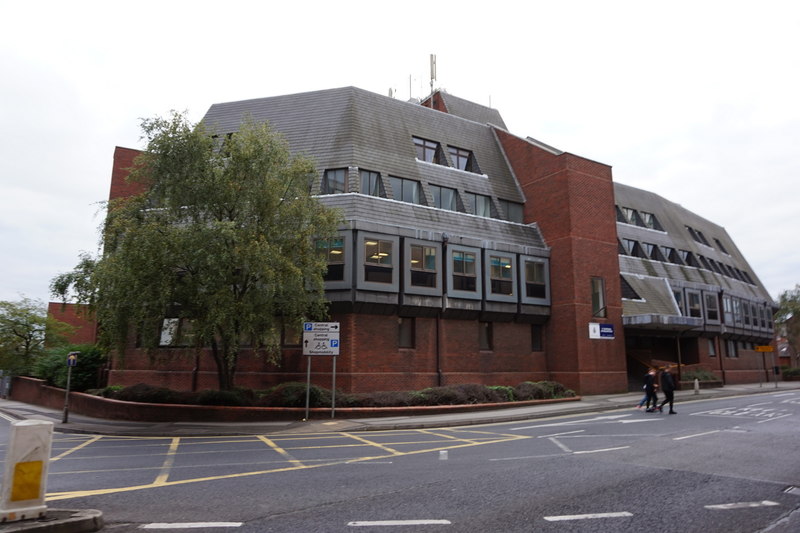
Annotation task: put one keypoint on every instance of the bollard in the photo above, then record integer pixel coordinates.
(696, 386)
(25, 478)
(443, 455)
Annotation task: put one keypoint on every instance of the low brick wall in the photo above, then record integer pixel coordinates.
(689, 385)
(34, 391)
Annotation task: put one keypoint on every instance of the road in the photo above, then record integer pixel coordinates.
(717, 466)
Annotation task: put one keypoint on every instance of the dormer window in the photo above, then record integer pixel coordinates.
(334, 181)
(429, 151)
(463, 159)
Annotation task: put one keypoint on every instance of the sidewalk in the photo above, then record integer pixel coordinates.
(88, 520)
(96, 426)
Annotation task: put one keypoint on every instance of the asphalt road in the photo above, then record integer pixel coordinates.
(723, 465)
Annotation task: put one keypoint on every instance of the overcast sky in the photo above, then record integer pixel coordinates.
(697, 101)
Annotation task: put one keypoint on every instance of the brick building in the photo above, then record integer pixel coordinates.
(471, 254)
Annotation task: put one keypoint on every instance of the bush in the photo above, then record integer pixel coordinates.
(293, 394)
(52, 367)
(700, 374)
(790, 372)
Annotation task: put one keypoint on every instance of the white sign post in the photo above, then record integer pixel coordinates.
(321, 338)
(25, 478)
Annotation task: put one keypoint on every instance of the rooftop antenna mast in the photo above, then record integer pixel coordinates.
(433, 75)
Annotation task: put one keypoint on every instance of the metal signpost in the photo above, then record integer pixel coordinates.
(765, 349)
(72, 360)
(321, 338)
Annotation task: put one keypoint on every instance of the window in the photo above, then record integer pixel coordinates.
(628, 292)
(721, 247)
(746, 309)
(737, 312)
(423, 266)
(481, 204)
(334, 181)
(502, 275)
(485, 341)
(727, 308)
(406, 332)
(428, 151)
(679, 300)
(697, 235)
(535, 280)
(333, 251)
(630, 215)
(463, 159)
(671, 254)
(731, 348)
(712, 348)
(378, 261)
(176, 332)
(598, 298)
(371, 184)
(537, 338)
(649, 220)
(444, 198)
(405, 190)
(513, 211)
(712, 308)
(291, 335)
(693, 304)
(464, 278)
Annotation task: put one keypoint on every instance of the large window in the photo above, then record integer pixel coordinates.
(481, 204)
(598, 288)
(537, 338)
(423, 266)
(371, 184)
(464, 278)
(333, 251)
(463, 159)
(535, 279)
(405, 190)
(378, 261)
(429, 151)
(502, 275)
(334, 181)
(444, 198)
(694, 304)
(513, 211)
(712, 308)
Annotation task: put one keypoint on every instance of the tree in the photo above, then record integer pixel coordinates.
(787, 319)
(25, 330)
(222, 242)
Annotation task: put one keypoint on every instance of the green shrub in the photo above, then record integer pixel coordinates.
(52, 367)
(789, 372)
(142, 392)
(505, 392)
(700, 374)
(237, 398)
(293, 394)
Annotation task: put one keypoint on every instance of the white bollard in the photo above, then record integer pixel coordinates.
(25, 478)
(696, 386)
(443, 455)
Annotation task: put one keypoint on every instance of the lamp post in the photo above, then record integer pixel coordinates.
(72, 360)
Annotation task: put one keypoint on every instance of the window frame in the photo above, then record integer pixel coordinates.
(408, 271)
(403, 184)
(486, 202)
(325, 187)
(523, 275)
(459, 293)
(436, 194)
(598, 297)
(425, 148)
(406, 333)
(372, 178)
(361, 249)
(511, 263)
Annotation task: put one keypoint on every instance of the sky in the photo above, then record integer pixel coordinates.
(697, 101)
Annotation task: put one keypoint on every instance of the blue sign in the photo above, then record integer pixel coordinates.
(606, 331)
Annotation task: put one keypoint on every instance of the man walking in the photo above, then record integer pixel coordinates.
(668, 388)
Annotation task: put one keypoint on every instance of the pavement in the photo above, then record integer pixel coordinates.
(87, 520)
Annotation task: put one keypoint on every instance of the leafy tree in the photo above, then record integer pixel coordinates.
(787, 319)
(223, 241)
(25, 330)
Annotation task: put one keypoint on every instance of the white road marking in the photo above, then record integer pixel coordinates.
(364, 523)
(560, 434)
(587, 516)
(559, 444)
(602, 450)
(771, 419)
(697, 435)
(189, 525)
(742, 505)
(573, 422)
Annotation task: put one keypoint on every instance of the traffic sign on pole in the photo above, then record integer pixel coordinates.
(321, 338)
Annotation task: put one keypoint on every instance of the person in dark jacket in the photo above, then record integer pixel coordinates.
(650, 390)
(668, 387)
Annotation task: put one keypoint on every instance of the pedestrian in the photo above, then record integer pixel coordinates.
(650, 396)
(668, 386)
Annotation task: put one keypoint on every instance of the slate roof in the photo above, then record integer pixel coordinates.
(350, 127)
(647, 276)
(471, 111)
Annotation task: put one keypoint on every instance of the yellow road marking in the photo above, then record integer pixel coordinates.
(280, 450)
(371, 443)
(168, 462)
(76, 448)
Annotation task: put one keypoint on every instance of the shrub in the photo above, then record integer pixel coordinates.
(505, 392)
(790, 372)
(235, 397)
(141, 392)
(293, 394)
(700, 374)
(52, 367)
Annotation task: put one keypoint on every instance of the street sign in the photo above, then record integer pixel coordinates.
(72, 359)
(601, 331)
(321, 338)
(766, 348)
